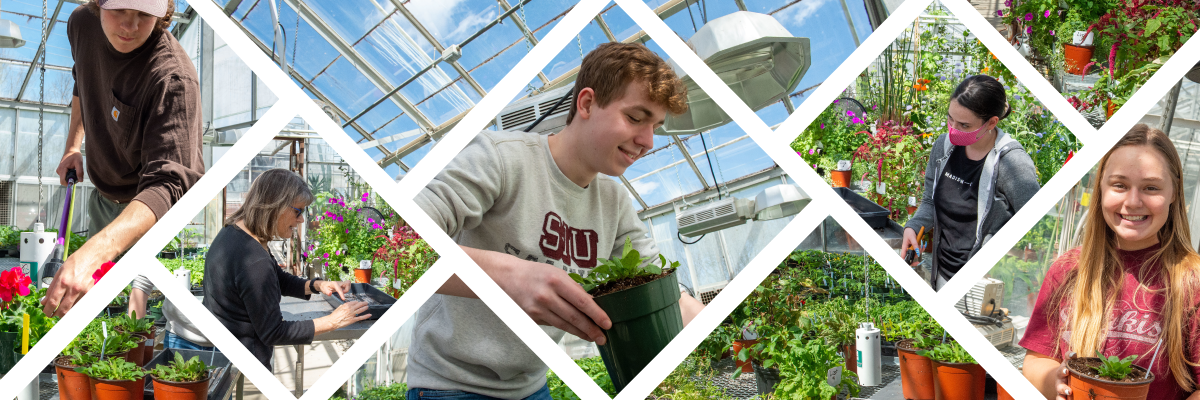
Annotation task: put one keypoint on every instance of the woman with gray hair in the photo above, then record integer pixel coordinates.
(244, 283)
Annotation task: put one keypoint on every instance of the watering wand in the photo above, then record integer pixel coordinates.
(62, 243)
(911, 254)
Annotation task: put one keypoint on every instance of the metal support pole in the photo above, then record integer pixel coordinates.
(1169, 111)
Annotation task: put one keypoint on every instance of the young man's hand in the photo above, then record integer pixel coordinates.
(72, 281)
(546, 293)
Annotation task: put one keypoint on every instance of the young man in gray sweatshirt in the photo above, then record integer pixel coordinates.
(529, 209)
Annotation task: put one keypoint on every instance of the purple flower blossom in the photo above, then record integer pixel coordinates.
(1008, 3)
(811, 151)
(1029, 16)
(371, 220)
(835, 102)
(849, 113)
(856, 120)
(999, 13)
(1047, 14)
(326, 255)
(1051, 32)
(822, 126)
(332, 200)
(376, 226)
(326, 263)
(1029, 30)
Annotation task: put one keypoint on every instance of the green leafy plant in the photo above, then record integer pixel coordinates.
(179, 370)
(593, 367)
(194, 266)
(626, 267)
(81, 359)
(91, 339)
(128, 324)
(950, 352)
(803, 372)
(1115, 368)
(925, 342)
(113, 369)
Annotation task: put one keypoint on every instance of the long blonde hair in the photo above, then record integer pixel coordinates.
(1090, 289)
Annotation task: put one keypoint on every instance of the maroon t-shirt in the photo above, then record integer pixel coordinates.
(1135, 325)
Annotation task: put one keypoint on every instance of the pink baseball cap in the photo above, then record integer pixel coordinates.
(152, 7)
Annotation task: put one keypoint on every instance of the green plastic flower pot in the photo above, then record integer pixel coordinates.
(9, 358)
(644, 320)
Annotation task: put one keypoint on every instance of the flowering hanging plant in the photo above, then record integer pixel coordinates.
(342, 235)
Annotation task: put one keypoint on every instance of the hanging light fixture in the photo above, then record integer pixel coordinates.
(752, 53)
(10, 35)
(1194, 74)
(780, 201)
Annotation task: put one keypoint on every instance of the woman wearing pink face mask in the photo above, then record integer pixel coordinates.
(977, 178)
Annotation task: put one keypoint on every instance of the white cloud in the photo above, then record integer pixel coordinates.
(444, 19)
(801, 11)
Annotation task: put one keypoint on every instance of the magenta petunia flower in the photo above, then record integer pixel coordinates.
(856, 120)
(822, 126)
(326, 255)
(1029, 30)
(999, 13)
(1029, 16)
(1047, 13)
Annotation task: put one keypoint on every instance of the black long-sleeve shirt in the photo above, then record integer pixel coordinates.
(243, 285)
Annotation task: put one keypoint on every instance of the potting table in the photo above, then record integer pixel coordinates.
(294, 309)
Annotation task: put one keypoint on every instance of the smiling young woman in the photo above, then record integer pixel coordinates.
(1129, 289)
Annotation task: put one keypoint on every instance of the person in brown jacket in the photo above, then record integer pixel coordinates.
(137, 102)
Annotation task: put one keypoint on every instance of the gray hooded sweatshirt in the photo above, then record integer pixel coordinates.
(1009, 179)
(505, 193)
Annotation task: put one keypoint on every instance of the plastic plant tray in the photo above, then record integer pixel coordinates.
(875, 215)
(377, 301)
(219, 381)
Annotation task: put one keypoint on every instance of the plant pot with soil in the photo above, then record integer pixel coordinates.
(643, 304)
(957, 375)
(115, 379)
(181, 380)
(916, 371)
(141, 331)
(73, 385)
(740, 362)
(1108, 378)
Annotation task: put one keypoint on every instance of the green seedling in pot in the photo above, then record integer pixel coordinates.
(925, 342)
(129, 324)
(113, 369)
(626, 267)
(180, 370)
(950, 352)
(81, 359)
(1115, 368)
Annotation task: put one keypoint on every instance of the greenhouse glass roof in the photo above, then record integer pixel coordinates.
(350, 53)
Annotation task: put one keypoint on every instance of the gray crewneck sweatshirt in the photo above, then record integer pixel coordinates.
(505, 193)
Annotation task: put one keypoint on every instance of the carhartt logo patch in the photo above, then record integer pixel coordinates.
(116, 114)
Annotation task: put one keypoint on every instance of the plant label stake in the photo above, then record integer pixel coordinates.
(834, 376)
(104, 332)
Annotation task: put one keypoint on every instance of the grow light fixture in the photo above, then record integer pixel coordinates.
(752, 53)
(775, 202)
(1194, 74)
(10, 35)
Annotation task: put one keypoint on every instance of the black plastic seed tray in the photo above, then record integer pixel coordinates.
(875, 215)
(222, 373)
(377, 301)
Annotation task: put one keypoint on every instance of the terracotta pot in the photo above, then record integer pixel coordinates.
(1076, 58)
(840, 178)
(164, 390)
(103, 389)
(71, 385)
(1089, 388)
(911, 210)
(135, 354)
(958, 381)
(737, 347)
(147, 346)
(850, 352)
(1002, 394)
(916, 373)
(362, 275)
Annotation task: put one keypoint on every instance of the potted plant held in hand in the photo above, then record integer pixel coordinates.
(72, 384)
(643, 304)
(1108, 378)
(181, 380)
(957, 375)
(115, 379)
(916, 371)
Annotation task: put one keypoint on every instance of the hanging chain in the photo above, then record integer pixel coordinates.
(295, 39)
(41, 111)
(579, 41)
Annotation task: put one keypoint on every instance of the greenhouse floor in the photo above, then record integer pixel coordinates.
(745, 386)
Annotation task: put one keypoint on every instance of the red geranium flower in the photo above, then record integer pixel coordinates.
(13, 282)
(103, 270)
